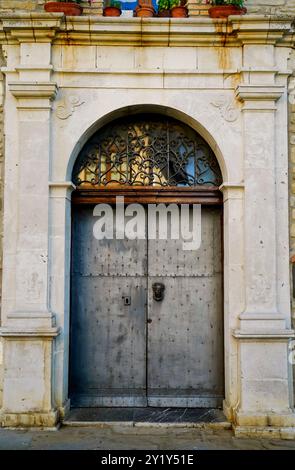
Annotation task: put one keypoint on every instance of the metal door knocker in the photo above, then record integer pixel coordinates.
(158, 291)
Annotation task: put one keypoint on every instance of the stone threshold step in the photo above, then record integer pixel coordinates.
(148, 417)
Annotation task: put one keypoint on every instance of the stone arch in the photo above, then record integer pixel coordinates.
(155, 109)
(148, 150)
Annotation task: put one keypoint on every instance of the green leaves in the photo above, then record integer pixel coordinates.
(238, 3)
(163, 5)
(168, 4)
(113, 3)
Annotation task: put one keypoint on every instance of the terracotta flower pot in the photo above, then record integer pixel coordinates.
(68, 8)
(145, 11)
(179, 12)
(164, 14)
(224, 11)
(111, 11)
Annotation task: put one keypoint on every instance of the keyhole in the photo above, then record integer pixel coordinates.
(127, 300)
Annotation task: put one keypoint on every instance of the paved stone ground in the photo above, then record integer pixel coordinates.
(130, 438)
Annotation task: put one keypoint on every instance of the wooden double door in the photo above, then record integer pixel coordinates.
(130, 348)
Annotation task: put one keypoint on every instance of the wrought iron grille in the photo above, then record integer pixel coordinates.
(149, 150)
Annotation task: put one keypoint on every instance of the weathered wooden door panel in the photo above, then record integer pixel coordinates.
(92, 257)
(167, 257)
(108, 343)
(185, 340)
(185, 364)
(109, 350)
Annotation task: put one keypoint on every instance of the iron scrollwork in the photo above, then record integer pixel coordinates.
(148, 150)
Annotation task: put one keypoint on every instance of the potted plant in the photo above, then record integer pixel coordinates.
(112, 8)
(225, 8)
(178, 8)
(69, 8)
(164, 8)
(144, 9)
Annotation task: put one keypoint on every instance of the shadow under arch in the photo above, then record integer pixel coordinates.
(146, 108)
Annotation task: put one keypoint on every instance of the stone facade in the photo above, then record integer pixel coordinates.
(38, 5)
(273, 7)
(2, 63)
(200, 7)
(225, 94)
(196, 7)
(292, 177)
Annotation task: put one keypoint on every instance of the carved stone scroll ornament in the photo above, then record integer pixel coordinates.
(227, 109)
(66, 107)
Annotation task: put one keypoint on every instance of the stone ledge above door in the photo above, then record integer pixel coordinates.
(250, 29)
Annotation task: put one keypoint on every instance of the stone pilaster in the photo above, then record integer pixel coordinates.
(264, 330)
(28, 329)
(28, 325)
(260, 194)
(233, 205)
(60, 262)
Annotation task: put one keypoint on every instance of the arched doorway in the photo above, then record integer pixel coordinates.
(147, 313)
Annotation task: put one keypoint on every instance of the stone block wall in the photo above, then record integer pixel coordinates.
(21, 5)
(2, 62)
(292, 180)
(270, 6)
(95, 8)
(196, 7)
(200, 7)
